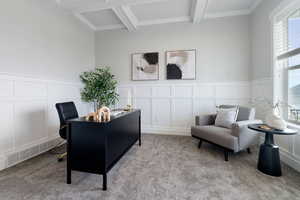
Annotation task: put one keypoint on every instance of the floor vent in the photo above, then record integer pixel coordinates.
(17, 157)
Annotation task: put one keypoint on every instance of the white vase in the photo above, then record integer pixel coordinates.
(274, 120)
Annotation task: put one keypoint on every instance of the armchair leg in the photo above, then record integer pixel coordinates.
(226, 155)
(199, 144)
(249, 150)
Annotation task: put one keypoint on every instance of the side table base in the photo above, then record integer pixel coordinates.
(269, 160)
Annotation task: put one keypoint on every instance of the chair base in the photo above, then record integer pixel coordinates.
(226, 150)
(61, 157)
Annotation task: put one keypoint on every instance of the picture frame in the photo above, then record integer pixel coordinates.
(181, 64)
(145, 66)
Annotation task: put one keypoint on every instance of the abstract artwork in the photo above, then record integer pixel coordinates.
(145, 66)
(181, 64)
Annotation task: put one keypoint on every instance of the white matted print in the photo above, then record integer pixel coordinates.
(181, 64)
(145, 66)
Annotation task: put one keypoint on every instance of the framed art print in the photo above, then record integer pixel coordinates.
(181, 64)
(145, 66)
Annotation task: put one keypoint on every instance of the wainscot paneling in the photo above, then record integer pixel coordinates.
(262, 90)
(171, 108)
(29, 121)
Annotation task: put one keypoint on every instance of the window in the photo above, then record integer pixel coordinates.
(287, 51)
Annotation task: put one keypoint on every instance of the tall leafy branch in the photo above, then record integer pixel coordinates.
(99, 87)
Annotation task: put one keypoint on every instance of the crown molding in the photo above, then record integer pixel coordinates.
(227, 14)
(110, 27)
(165, 21)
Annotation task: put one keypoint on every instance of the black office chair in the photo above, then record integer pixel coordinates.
(65, 111)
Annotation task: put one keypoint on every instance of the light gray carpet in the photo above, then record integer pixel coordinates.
(165, 167)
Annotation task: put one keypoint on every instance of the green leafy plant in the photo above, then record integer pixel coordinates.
(99, 87)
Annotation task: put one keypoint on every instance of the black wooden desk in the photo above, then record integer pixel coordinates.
(95, 147)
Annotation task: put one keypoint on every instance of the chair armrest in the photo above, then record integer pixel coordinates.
(242, 124)
(205, 120)
(246, 137)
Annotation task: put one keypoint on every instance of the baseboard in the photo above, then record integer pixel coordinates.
(167, 131)
(290, 160)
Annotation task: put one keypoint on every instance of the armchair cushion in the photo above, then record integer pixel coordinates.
(226, 117)
(217, 135)
(205, 120)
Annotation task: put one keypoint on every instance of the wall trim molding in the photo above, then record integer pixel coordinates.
(29, 102)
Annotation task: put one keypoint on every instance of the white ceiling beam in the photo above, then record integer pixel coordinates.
(127, 17)
(255, 5)
(85, 21)
(198, 10)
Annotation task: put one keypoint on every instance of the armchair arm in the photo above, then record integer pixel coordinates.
(205, 120)
(246, 137)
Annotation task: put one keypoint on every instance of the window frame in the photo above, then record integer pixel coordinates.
(280, 61)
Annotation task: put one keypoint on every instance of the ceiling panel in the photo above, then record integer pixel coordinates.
(216, 6)
(162, 10)
(102, 18)
(81, 4)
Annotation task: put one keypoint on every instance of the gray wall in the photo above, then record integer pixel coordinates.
(261, 39)
(40, 39)
(223, 48)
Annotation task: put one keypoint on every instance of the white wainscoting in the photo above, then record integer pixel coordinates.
(29, 121)
(171, 108)
(289, 145)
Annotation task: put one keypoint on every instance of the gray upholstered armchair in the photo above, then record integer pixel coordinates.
(236, 139)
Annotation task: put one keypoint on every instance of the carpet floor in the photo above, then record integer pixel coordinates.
(163, 168)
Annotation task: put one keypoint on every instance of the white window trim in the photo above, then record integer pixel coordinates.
(285, 9)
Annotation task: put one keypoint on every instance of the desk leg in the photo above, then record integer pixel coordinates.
(104, 184)
(69, 176)
(269, 159)
(140, 134)
(69, 171)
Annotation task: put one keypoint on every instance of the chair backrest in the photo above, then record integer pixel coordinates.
(245, 113)
(66, 111)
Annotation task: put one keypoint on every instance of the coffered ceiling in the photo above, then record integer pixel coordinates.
(134, 14)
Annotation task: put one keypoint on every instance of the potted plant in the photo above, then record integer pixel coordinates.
(99, 87)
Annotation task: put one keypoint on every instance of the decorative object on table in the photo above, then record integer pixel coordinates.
(101, 115)
(104, 114)
(129, 100)
(128, 108)
(145, 66)
(274, 119)
(273, 116)
(269, 158)
(92, 116)
(181, 64)
(265, 127)
(99, 87)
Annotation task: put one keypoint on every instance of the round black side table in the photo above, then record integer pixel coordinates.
(269, 159)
